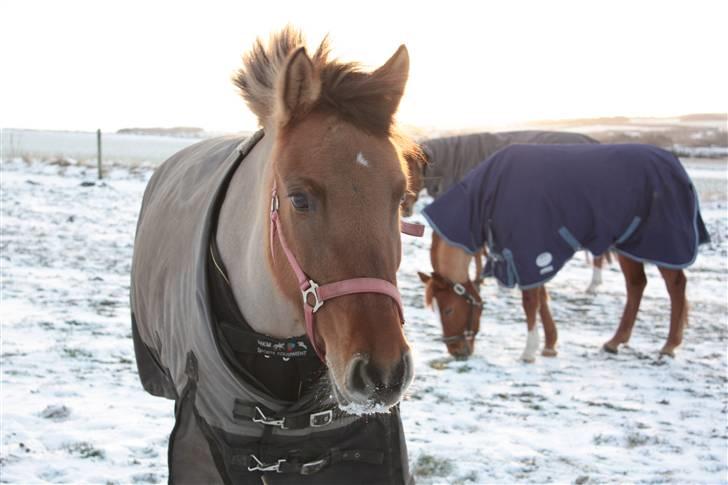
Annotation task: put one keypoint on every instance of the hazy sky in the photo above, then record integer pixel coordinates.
(112, 64)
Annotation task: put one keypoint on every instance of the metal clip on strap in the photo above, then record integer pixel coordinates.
(259, 466)
(261, 418)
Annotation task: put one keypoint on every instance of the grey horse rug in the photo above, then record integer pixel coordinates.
(451, 158)
(193, 345)
(533, 206)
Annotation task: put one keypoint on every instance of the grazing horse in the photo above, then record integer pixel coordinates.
(442, 162)
(533, 206)
(263, 296)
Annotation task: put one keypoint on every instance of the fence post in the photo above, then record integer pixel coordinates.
(98, 152)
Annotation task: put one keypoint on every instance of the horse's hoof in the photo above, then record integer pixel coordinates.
(549, 352)
(609, 349)
(527, 359)
(668, 352)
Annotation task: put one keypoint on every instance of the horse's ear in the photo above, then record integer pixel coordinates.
(394, 73)
(425, 278)
(299, 87)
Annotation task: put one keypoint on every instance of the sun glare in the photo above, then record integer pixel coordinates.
(81, 65)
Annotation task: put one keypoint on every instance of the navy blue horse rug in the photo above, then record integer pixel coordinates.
(533, 206)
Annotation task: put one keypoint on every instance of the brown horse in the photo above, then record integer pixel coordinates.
(337, 163)
(460, 305)
(533, 206)
(264, 278)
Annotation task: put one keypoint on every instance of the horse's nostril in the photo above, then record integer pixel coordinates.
(372, 382)
(396, 378)
(357, 376)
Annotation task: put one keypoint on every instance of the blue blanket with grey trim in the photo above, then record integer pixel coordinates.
(533, 206)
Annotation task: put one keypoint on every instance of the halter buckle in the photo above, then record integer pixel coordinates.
(312, 290)
(458, 289)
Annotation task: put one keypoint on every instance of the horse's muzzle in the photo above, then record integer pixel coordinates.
(373, 385)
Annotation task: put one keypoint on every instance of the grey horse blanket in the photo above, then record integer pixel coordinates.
(533, 206)
(228, 429)
(451, 158)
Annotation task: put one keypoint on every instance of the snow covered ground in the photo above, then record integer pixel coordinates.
(127, 148)
(73, 411)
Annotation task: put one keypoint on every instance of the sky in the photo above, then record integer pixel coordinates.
(82, 65)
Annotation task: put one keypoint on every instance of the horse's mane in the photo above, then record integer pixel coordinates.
(361, 98)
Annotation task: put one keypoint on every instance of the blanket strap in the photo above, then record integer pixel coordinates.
(242, 459)
(260, 414)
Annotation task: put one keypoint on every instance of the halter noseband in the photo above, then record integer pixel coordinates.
(460, 290)
(315, 295)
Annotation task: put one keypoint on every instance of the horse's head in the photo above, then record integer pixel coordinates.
(460, 307)
(457, 299)
(339, 173)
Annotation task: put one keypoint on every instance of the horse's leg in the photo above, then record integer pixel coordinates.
(549, 327)
(675, 281)
(635, 280)
(530, 300)
(596, 274)
(478, 267)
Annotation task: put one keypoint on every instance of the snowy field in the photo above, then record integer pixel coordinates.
(121, 148)
(73, 410)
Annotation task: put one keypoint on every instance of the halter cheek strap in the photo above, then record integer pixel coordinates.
(314, 295)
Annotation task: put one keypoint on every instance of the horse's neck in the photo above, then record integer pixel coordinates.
(450, 261)
(242, 237)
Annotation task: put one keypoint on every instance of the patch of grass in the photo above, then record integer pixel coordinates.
(85, 449)
(145, 478)
(601, 439)
(440, 364)
(77, 353)
(430, 465)
(633, 440)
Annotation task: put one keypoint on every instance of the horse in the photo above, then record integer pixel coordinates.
(442, 162)
(533, 206)
(263, 295)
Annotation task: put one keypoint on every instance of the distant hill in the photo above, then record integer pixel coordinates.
(177, 131)
(699, 135)
(706, 117)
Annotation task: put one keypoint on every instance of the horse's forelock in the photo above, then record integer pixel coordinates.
(368, 100)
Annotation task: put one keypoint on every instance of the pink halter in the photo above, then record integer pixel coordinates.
(314, 295)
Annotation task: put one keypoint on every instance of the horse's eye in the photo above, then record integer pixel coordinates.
(299, 201)
(447, 311)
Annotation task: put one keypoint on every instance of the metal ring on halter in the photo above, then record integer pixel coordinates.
(312, 290)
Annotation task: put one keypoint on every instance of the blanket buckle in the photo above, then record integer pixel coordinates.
(259, 466)
(322, 418)
(261, 418)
